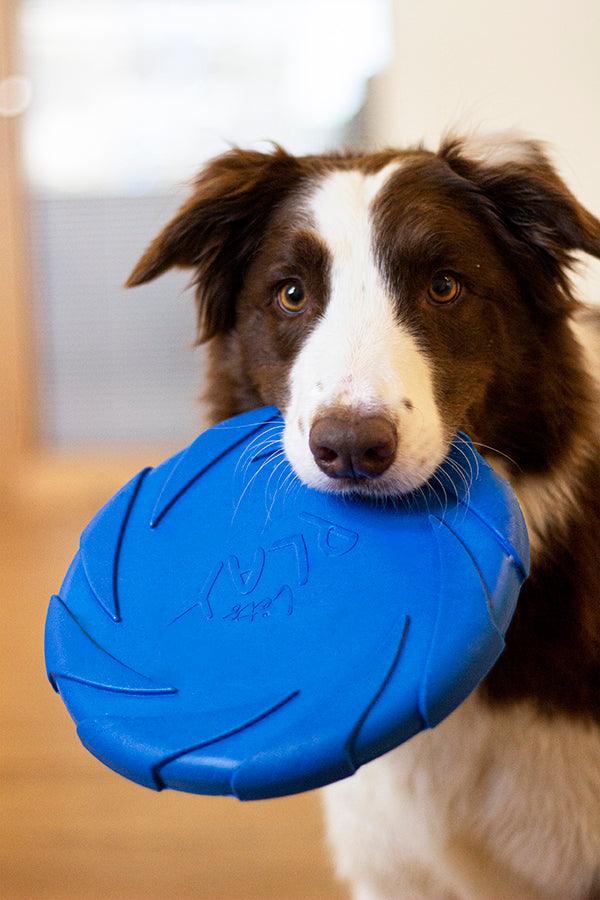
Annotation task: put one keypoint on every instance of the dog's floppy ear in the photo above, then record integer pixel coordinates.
(219, 228)
(539, 215)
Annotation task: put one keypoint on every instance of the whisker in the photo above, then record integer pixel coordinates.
(260, 449)
(296, 484)
(293, 482)
(458, 469)
(425, 498)
(281, 463)
(251, 481)
(222, 427)
(462, 452)
(499, 452)
(441, 484)
(254, 448)
(450, 479)
(262, 435)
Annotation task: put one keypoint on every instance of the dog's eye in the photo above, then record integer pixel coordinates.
(443, 288)
(291, 297)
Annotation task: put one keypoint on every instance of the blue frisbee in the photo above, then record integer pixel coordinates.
(224, 629)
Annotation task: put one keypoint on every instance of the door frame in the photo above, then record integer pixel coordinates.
(16, 395)
(31, 473)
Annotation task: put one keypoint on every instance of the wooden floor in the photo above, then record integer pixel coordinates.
(73, 829)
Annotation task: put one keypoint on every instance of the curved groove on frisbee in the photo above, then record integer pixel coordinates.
(74, 655)
(205, 452)
(514, 545)
(233, 730)
(104, 540)
(353, 738)
(152, 742)
(447, 651)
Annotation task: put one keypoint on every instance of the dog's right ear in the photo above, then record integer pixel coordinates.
(219, 228)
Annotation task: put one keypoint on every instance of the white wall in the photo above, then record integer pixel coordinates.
(533, 65)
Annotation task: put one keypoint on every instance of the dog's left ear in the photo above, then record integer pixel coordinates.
(539, 214)
(219, 229)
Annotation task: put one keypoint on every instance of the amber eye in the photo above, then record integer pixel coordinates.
(443, 288)
(291, 297)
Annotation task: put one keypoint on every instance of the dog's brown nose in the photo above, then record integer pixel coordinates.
(353, 447)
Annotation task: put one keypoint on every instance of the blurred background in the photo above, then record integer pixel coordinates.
(107, 109)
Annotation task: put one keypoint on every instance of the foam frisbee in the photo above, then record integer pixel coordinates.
(224, 629)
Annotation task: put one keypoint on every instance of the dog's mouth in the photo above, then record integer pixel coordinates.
(395, 483)
(370, 486)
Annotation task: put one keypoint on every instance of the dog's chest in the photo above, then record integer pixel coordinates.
(523, 789)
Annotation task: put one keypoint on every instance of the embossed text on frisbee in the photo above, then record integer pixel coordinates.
(244, 581)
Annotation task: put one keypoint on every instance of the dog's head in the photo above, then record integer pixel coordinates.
(385, 301)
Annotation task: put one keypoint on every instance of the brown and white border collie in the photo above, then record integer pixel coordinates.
(383, 301)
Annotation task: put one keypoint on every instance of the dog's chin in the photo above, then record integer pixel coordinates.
(387, 486)
(365, 487)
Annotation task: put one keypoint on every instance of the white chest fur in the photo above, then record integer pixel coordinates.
(491, 803)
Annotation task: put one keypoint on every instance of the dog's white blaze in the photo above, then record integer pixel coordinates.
(358, 355)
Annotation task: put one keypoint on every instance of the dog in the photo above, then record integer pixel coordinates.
(384, 301)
